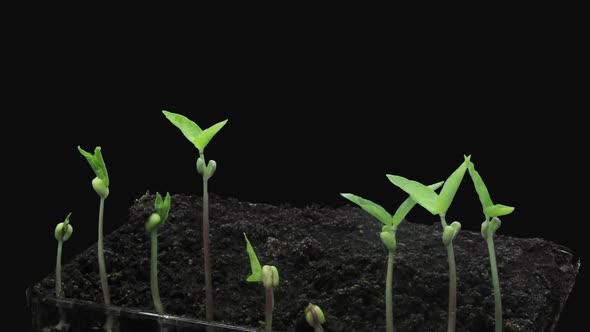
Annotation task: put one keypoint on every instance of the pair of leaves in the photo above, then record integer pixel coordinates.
(97, 163)
(256, 275)
(426, 197)
(380, 213)
(200, 138)
(162, 206)
(490, 209)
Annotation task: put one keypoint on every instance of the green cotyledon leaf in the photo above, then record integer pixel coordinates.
(189, 129)
(497, 210)
(480, 187)
(447, 193)
(256, 275)
(205, 137)
(403, 210)
(372, 208)
(420, 193)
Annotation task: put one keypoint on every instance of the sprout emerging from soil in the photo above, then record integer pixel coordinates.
(269, 276)
(200, 138)
(63, 232)
(315, 317)
(101, 185)
(388, 237)
(155, 221)
(488, 229)
(439, 204)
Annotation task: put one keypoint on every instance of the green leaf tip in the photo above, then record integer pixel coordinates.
(371, 207)
(97, 163)
(199, 137)
(447, 194)
(162, 206)
(63, 231)
(407, 205)
(490, 210)
(421, 194)
(497, 210)
(256, 268)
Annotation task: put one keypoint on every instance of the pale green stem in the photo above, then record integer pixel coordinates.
(389, 293)
(452, 289)
(154, 274)
(59, 293)
(496, 282)
(268, 308)
(58, 290)
(102, 267)
(207, 250)
(452, 282)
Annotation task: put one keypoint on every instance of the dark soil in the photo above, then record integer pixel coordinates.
(331, 257)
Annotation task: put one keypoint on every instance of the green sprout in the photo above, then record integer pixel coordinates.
(63, 232)
(439, 204)
(101, 185)
(200, 138)
(155, 221)
(388, 237)
(489, 227)
(269, 276)
(315, 317)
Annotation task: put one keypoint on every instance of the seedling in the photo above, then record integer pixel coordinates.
(269, 276)
(315, 317)
(63, 232)
(388, 237)
(439, 204)
(200, 138)
(489, 227)
(101, 185)
(155, 221)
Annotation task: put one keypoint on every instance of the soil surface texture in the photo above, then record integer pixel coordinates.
(332, 257)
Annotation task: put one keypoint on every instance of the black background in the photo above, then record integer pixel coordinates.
(304, 125)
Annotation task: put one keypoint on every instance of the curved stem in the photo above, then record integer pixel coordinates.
(268, 308)
(207, 250)
(154, 273)
(496, 282)
(452, 289)
(101, 266)
(388, 294)
(59, 293)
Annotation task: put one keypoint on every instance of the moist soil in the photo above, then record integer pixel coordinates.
(332, 257)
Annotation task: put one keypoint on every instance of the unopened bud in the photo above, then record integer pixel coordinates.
(388, 239)
(101, 189)
(153, 222)
(494, 225)
(314, 315)
(200, 166)
(61, 234)
(484, 229)
(270, 276)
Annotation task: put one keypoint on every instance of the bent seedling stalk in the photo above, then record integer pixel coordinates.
(101, 186)
(489, 227)
(63, 232)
